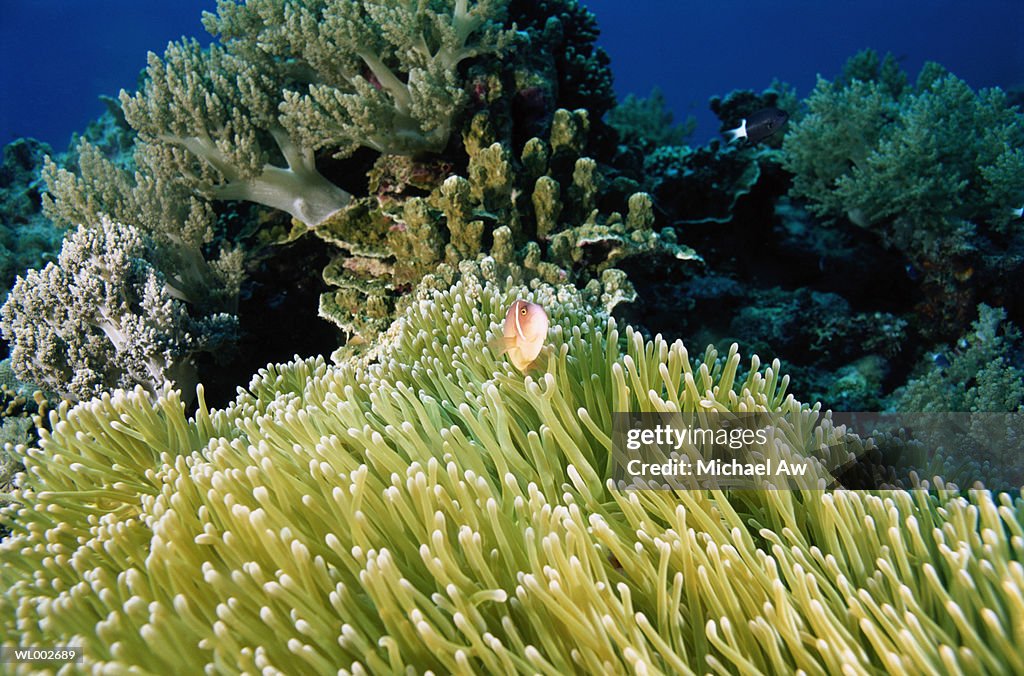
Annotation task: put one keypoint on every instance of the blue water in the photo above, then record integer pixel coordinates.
(58, 56)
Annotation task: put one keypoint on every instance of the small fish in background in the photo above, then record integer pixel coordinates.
(759, 126)
(523, 334)
(1017, 213)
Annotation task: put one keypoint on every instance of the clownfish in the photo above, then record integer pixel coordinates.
(523, 334)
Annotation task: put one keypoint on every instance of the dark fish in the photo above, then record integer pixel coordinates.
(940, 360)
(759, 126)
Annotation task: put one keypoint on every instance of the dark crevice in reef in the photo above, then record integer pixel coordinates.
(780, 285)
(278, 315)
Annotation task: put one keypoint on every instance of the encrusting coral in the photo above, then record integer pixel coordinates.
(437, 510)
(532, 214)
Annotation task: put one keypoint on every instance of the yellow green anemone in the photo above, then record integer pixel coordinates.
(435, 510)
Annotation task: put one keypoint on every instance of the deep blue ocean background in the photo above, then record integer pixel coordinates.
(58, 56)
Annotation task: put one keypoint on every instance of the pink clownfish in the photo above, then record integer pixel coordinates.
(523, 334)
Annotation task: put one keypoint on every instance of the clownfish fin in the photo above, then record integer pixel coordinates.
(499, 345)
(540, 363)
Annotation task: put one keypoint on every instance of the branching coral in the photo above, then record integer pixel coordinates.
(982, 373)
(242, 120)
(869, 146)
(103, 317)
(167, 279)
(407, 94)
(436, 510)
(213, 119)
(934, 171)
(179, 224)
(648, 124)
(384, 75)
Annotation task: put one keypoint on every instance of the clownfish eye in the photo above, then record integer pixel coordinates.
(523, 312)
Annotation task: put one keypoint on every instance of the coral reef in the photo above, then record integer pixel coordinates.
(646, 123)
(289, 79)
(102, 317)
(867, 151)
(26, 239)
(438, 510)
(931, 262)
(568, 30)
(533, 216)
(245, 118)
(420, 504)
(984, 371)
(298, 99)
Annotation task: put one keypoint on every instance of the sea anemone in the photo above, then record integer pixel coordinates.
(438, 510)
